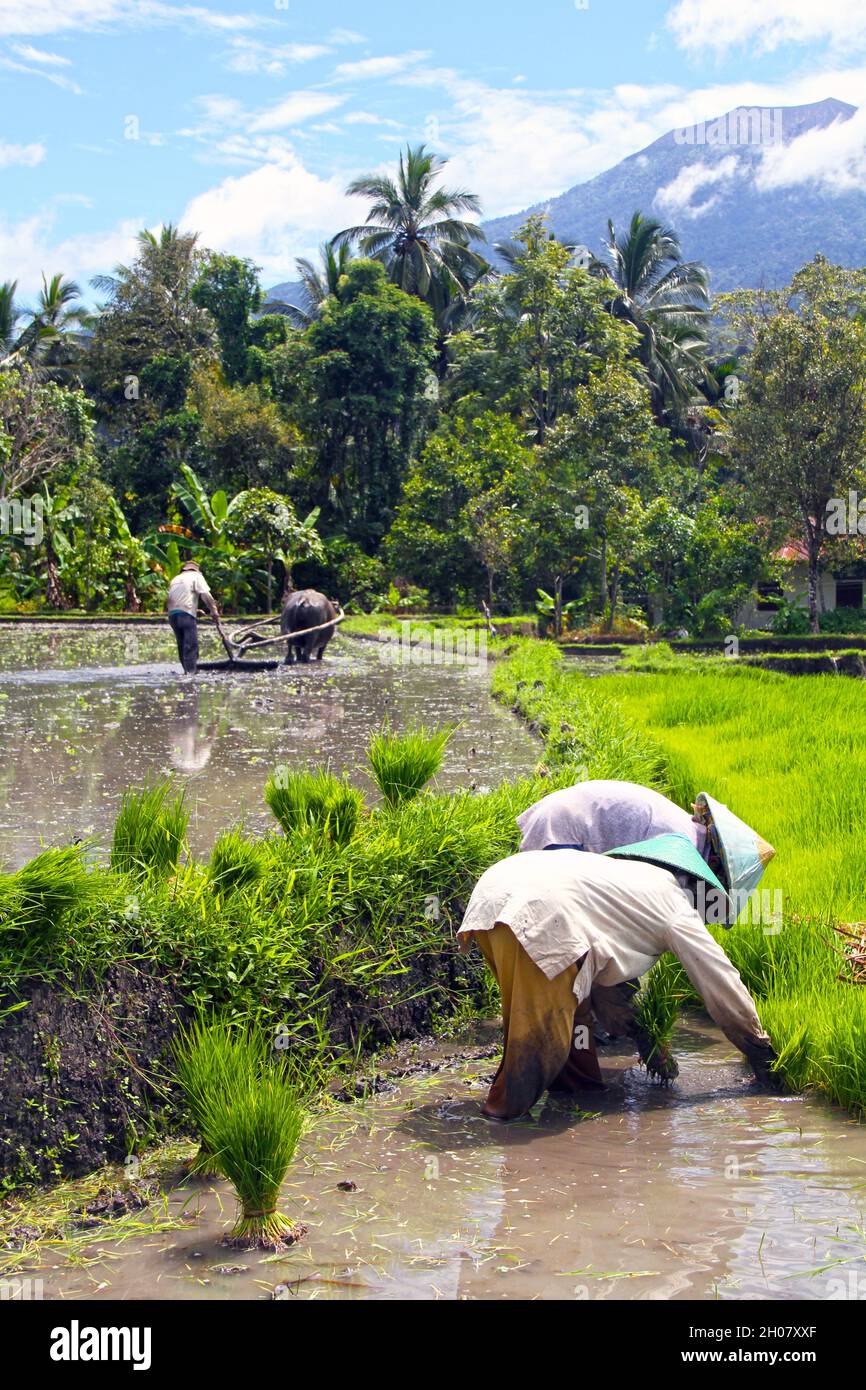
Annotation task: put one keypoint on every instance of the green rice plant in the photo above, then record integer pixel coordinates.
(235, 862)
(53, 885)
(149, 832)
(315, 799)
(403, 763)
(662, 992)
(254, 1133)
(213, 1059)
(842, 1061)
(794, 1026)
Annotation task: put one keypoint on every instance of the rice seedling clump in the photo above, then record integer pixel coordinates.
(403, 763)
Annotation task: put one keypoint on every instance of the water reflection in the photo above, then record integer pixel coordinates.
(81, 724)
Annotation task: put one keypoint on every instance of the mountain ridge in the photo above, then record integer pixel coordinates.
(701, 180)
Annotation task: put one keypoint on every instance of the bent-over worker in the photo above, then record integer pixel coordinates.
(184, 592)
(561, 932)
(603, 815)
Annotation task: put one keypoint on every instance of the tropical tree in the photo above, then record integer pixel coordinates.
(799, 429)
(357, 384)
(45, 429)
(416, 230)
(229, 289)
(9, 315)
(52, 338)
(319, 282)
(666, 300)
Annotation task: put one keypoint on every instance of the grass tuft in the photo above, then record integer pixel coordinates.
(403, 763)
(236, 862)
(149, 832)
(318, 799)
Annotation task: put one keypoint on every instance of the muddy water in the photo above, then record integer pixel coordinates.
(87, 714)
(708, 1190)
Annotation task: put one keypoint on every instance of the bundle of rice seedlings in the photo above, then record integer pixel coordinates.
(319, 799)
(149, 832)
(53, 884)
(213, 1059)
(254, 1133)
(656, 1010)
(235, 862)
(403, 763)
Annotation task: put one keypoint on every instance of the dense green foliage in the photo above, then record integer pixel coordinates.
(434, 419)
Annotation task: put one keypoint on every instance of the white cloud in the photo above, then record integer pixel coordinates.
(251, 57)
(53, 17)
(765, 25)
(834, 158)
(380, 67)
(28, 155)
(272, 214)
(294, 109)
(675, 198)
(370, 118)
(29, 247)
(38, 55)
(55, 78)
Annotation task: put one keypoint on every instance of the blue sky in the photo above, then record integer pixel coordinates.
(245, 121)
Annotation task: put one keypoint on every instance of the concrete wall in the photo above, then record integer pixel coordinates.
(796, 587)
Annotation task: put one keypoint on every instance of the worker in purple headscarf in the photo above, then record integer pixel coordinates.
(602, 815)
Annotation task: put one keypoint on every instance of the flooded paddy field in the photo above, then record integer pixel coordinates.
(88, 713)
(709, 1190)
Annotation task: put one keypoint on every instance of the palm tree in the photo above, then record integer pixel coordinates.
(667, 301)
(156, 290)
(54, 330)
(9, 315)
(415, 229)
(319, 282)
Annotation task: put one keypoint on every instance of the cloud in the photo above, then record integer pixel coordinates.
(833, 158)
(294, 109)
(30, 246)
(272, 214)
(38, 55)
(28, 155)
(251, 56)
(370, 118)
(675, 198)
(698, 25)
(51, 17)
(54, 78)
(380, 67)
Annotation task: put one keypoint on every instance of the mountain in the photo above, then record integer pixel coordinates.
(701, 181)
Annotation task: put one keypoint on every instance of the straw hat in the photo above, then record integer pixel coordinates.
(191, 565)
(743, 852)
(672, 851)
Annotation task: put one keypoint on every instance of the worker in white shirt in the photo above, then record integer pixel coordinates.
(602, 815)
(184, 593)
(561, 932)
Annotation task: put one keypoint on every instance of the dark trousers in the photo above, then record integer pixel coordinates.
(185, 630)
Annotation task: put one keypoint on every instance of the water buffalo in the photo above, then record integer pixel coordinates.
(302, 609)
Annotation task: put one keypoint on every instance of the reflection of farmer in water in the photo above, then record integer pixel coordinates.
(189, 752)
(184, 592)
(567, 934)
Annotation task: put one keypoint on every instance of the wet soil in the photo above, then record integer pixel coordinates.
(711, 1189)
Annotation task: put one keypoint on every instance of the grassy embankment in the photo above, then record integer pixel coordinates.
(788, 756)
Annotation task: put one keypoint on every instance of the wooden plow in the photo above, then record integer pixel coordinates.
(238, 643)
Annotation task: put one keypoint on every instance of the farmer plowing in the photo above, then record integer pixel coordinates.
(307, 623)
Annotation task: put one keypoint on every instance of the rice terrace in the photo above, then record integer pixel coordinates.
(432, 673)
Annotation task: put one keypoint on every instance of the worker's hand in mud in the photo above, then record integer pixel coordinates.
(763, 1058)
